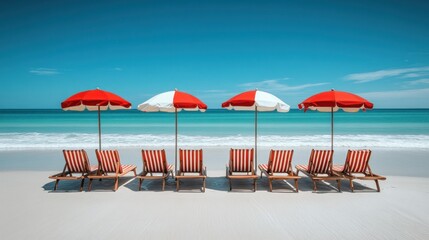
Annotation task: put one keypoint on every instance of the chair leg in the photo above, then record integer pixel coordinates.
(378, 186)
(314, 186)
(204, 185)
(254, 185)
(81, 184)
(351, 185)
(177, 184)
(270, 182)
(163, 184)
(90, 185)
(56, 184)
(230, 185)
(140, 184)
(339, 185)
(296, 185)
(116, 184)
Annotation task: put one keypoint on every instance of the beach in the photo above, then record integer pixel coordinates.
(399, 211)
(30, 150)
(235, 79)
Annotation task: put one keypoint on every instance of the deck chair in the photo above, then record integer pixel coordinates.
(191, 163)
(76, 163)
(155, 164)
(357, 167)
(110, 167)
(241, 166)
(319, 168)
(279, 167)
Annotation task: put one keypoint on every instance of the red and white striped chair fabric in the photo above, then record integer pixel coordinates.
(191, 160)
(109, 161)
(280, 161)
(356, 162)
(241, 160)
(155, 161)
(320, 161)
(77, 161)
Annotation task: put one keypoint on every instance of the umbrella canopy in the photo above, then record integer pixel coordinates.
(332, 101)
(255, 99)
(173, 101)
(258, 101)
(95, 100)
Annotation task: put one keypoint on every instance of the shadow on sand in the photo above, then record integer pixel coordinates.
(220, 183)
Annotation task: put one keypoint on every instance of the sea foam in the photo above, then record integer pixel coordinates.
(30, 141)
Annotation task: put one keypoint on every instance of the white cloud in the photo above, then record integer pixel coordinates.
(277, 79)
(118, 69)
(381, 74)
(414, 98)
(425, 80)
(414, 75)
(44, 71)
(274, 85)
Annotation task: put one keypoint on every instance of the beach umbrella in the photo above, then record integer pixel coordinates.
(173, 101)
(257, 101)
(332, 101)
(95, 100)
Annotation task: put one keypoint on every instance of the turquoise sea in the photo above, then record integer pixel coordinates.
(57, 129)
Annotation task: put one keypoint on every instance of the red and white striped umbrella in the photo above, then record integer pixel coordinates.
(95, 100)
(332, 101)
(258, 101)
(173, 101)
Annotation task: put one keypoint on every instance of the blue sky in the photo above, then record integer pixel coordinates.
(50, 50)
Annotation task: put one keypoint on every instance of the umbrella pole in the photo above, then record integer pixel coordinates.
(99, 130)
(175, 150)
(332, 128)
(256, 139)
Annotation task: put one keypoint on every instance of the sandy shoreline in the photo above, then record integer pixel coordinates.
(30, 209)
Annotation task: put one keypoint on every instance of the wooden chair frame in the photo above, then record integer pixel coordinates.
(367, 174)
(245, 175)
(166, 173)
(202, 173)
(326, 176)
(66, 174)
(101, 174)
(291, 175)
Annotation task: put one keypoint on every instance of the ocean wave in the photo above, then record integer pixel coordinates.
(29, 141)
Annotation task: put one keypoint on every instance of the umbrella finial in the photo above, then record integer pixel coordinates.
(256, 89)
(175, 89)
(332, 89)
(97, 88)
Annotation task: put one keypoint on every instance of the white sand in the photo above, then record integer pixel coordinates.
(29, 209)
